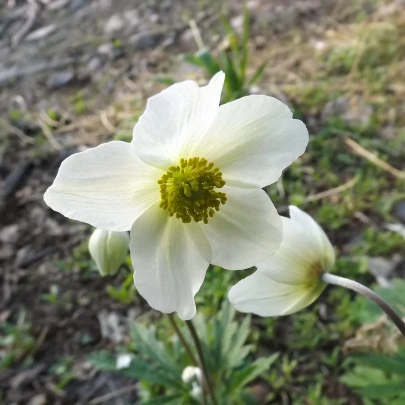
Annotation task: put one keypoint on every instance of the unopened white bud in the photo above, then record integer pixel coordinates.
(124, 360)
(196, 391)
(190, 373)
(108, 249)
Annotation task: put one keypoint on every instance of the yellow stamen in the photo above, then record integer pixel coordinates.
(189, 191)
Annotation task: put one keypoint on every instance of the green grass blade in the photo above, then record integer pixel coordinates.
(258, 74)
(245, 44)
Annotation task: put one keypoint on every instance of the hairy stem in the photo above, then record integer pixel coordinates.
(203, 365)
(371, 295)
(182, 339)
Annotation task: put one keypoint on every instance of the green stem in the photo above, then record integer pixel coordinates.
(182, 339)
(371, 295)
(198, 346)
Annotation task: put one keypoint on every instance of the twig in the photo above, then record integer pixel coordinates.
(114, 394)
(359, 150)
(196, 34)
(48, 120)
(48, 135)
(55, 390)
(19, 35)
(324, 194)
(107, 124)
(332, 191)
(20, 134)
(16, 131)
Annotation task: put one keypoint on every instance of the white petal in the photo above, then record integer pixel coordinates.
(245, 230)
(107, 187)
(292, 263)
(261, 295)
(174, 120)
(170, 261)
(316, 236)
(252, 140)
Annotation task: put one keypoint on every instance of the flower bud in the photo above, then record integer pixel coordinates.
(190, 373)
(108, 249)
(124, 360)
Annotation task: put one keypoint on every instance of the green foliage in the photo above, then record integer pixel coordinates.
(378, 377)
(375, 46)
(79, 103)
(394, 295)
(63, 370)
(215, 287)
(377, 242)
(125, 293)
(232, 61)
(158, 362)
(16, 342)
(53, 294)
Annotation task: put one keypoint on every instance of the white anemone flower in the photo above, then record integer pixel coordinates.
(291, 279)
(188, 187)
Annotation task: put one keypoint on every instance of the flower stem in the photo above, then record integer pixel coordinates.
(203, 365)
(182, 339)
(371, 295)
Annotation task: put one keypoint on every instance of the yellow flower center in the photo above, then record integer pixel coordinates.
(189, 190)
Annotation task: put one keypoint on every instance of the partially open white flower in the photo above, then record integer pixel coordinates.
(291, 279)
(108, 249)
(188, 187)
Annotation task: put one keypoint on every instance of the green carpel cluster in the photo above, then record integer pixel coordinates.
(189, 191)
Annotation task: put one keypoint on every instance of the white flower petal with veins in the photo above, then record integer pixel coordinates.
(290, 280)
(245, 230)
(108, 187)
(170, 260)
(253, 140)
(173, 119)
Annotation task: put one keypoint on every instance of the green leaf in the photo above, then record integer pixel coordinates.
(238, 352)
(258, 74)
(208, 61)
(145, 370)
(389, 364)
(104, 360)
(165, 80)
(193, 59)
(383, 391)
(233, 40)
(231, 76)
(245, 44)
(164, 400)
(243, 377)
(148, 346)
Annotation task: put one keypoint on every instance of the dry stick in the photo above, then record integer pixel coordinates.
(332, 191)
(48, 135)
(373, 158)
(182, 339)
(198, 346)
(114, 394)
(371, 295)
(325, 194)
